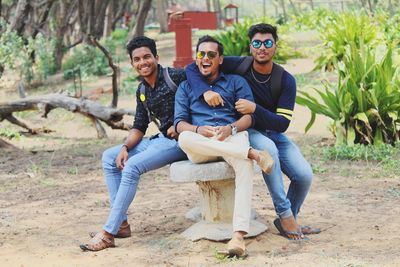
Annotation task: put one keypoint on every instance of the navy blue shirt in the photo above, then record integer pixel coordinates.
(160, 101)
(195, 110)
(269, 114)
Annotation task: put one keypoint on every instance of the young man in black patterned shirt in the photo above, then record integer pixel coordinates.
(123, 164)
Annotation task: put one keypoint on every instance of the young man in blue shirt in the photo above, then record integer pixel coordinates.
(272, 117)
(211, 133)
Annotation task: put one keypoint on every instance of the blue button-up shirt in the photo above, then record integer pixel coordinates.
(195, 110)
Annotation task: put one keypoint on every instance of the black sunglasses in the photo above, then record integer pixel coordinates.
(267, 43)
(210, 54)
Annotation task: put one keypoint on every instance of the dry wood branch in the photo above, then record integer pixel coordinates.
(110, 116)
(114, 68)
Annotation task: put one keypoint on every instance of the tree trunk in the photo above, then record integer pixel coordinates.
(162, 15)
(119, 12)
(99, 13)
(284, 10)
(21, 16)
(312, 4)
(65, 10)
(143, 11)
(115, 70)
(371, 8)
(217, 9)
(109, 17)
(208, 5)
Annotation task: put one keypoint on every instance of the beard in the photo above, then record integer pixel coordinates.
(262, 62)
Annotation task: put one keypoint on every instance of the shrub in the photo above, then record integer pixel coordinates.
(340, 31)
(365, 105)
(89, 59)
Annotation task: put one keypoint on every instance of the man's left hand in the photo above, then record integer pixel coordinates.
(245, 106)
(171, 133)
(223, 132)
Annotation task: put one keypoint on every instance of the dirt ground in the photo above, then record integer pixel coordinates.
(52, 193)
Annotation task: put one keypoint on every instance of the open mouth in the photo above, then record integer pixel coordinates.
(205, 66)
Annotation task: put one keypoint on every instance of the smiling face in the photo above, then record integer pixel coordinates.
(144, 62)
(209, 67)
(262, 55)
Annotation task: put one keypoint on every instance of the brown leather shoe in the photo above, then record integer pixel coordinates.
(123, 232)
(237, 247)
(266, 162)
(98, 242)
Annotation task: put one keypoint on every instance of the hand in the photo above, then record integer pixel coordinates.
(245, 106)
(171, 133)
(122, 158)
(207, 131)
(213, 99)
(223, 132)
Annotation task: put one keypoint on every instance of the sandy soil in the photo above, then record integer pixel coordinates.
(52, 193)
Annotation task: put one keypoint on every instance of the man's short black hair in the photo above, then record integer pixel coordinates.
(141, 41)
(208, 38)
(263, 28)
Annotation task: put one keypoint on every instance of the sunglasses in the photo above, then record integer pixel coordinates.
(210, 54)
(267, 43)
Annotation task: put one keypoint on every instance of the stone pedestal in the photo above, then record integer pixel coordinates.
(217, 193)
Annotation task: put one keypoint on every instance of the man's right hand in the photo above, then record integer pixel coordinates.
(207, 131)
(122, 158)
(213, 99)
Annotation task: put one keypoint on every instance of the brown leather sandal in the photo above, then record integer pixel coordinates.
(123, 232)
(98, 242)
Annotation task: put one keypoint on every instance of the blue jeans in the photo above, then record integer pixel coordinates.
(289, 160)
(147, 155)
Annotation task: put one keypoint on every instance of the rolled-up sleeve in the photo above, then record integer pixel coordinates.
(182, 104)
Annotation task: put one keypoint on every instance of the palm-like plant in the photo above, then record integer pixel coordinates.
(365, 105)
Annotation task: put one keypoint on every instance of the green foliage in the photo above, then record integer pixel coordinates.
(89, 59)
(120, 36)
(9, 133)
(312, 20)
(44, 61)
(382, 152)
(340, 31)
(15, 52)
(365, 105)
(129, 84)
(236, 42)
(32, 57)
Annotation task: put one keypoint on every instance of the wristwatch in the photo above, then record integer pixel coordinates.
(234, 129)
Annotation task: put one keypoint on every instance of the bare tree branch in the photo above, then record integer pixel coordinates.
(111, 116)
(114, 68)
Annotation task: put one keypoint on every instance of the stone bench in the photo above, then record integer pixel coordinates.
(217, 193)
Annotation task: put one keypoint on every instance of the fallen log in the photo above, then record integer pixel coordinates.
(95, 111)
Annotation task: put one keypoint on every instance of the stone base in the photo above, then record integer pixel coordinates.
(195, 214)
(219, 231)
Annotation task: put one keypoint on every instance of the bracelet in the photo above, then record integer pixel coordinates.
(197, 128)
(127, 148)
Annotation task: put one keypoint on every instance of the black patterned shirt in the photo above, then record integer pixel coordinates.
(160, 100)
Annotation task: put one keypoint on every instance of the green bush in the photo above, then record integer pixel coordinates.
(365, 105)
(89, 59)
(340, 31)
(236, 42)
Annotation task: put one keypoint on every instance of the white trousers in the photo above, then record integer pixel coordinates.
(234, 151)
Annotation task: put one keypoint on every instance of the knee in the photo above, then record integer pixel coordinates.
(304, 175)
(108, 158)
(184, 139)
(131, 173)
